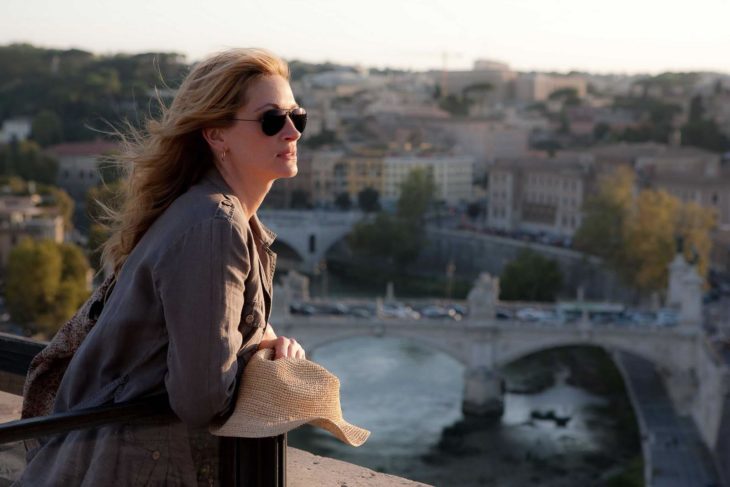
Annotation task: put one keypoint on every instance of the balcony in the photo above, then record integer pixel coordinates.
(264, 462)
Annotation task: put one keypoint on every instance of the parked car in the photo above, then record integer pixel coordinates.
(400, 311)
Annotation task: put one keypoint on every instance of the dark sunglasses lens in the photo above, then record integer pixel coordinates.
(273, 121)
(299, 120)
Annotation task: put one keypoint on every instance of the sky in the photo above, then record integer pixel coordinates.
(617, 36)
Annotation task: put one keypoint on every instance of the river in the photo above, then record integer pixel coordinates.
(410, 398)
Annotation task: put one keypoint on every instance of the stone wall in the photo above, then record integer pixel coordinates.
(474, 253)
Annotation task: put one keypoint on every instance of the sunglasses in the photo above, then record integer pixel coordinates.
(272, 121)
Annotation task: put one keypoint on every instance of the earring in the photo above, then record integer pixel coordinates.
(223, 155)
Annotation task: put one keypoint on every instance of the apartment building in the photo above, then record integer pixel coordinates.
(539, 194)
(363, 169)
(78, 165)
(22, 216)
(453, 176)
(532, 87)
(707, 185)
(17, 129)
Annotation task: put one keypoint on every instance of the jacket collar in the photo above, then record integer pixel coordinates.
(265, 235)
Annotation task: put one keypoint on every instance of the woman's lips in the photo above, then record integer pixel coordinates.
(287, 155)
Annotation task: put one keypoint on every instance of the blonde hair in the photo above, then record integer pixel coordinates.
(171, 155)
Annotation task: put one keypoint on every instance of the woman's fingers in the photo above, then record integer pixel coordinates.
(284, 347)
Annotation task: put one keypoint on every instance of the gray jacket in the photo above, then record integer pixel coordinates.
(189, 308)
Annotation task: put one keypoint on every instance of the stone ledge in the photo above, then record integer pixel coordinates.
(303, 468)
(307, 470)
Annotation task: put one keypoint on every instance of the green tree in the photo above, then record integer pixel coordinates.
(705, 134)
(343, 201)
(605, 215)
(299, 199)
(33, 276)
(567, 96)
(530, 277)
(398, 238)
(45, 284)
(55, 197)
(696, 109)
(47, 128)
(367, 200)
(28, 161)
(416, 195)
(455, 105)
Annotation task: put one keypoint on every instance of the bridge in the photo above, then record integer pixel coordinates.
(695, 376)
(309, 233)
(697, 381)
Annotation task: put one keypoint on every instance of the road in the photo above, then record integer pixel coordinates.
(678, 456)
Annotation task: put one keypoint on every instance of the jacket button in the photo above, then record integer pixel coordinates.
(249, 319)
(155, 455)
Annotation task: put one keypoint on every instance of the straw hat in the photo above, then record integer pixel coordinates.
(276, 396)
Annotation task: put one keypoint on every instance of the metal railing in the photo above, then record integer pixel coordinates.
(243, 461)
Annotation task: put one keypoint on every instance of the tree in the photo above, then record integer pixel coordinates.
(635, 231)
(649, 239)
(386, 237)
(416, 194)
(367, 200)
(299, 199)
(650, 235)
(59, 199)
(605, 214)
(696, 109)
(343, 201)
(398, 238)
(47, 128)
(530, 277)
(46, 282)
(27, 160)
(705, 134)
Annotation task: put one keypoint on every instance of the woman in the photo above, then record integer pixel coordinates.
(194, 273)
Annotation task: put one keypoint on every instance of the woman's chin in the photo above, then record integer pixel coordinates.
(291, 170)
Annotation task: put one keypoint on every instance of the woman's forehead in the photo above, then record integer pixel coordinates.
(270, 92)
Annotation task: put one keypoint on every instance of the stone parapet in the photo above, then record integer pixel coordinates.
(307, 470)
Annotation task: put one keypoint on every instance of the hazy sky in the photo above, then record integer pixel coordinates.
(602, 36)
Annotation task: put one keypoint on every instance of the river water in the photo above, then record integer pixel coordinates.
(410, 399)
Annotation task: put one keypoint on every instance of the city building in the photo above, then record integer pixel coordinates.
(533, 87)
(23, 216)
(15, 129)
(363, 169)
(78, 165)
(499, 77)
(707, 185)
(452, 175)
(539, 195)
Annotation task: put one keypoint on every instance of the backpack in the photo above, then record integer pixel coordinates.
(48, 367)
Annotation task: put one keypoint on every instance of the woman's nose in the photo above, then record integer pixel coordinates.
(289, 131)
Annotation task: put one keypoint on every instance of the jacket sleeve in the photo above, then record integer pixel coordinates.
(200, 281)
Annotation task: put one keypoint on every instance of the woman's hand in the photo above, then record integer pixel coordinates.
(283, 346)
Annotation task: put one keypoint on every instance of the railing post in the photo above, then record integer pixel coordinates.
(253, 462)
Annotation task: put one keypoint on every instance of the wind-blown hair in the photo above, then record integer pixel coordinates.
(170, 154)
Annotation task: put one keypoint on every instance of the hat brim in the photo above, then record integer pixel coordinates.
(344, 431)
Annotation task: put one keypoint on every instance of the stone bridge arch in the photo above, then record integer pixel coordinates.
(671, 356)
(310, 233)
(421, 341)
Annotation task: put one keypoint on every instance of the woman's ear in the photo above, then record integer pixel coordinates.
(214, 137)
